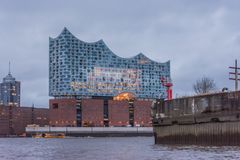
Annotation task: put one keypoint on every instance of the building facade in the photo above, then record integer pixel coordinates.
(14, 120)
(10, 91)
(64, 113)
(82, 69)
(92, 86)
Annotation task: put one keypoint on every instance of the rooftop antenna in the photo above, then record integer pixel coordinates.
(9, 68)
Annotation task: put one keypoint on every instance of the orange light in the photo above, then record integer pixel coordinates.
(124, 96)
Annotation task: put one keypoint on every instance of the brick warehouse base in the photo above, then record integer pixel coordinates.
(62, 112)
(92, 112)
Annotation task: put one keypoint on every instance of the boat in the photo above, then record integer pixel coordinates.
(49, 135)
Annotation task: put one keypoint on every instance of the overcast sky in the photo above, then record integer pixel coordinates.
(199, 37)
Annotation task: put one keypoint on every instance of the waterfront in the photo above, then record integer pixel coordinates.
(110, 148)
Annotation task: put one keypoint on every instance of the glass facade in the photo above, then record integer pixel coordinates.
(10, 91)
(82, 69)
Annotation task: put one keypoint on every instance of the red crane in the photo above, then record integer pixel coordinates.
(169, 85)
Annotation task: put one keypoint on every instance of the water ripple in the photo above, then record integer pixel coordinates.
(128, 148)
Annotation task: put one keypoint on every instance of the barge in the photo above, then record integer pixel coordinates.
(208, 119)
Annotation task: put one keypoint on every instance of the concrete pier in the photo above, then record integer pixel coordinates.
(93, 131)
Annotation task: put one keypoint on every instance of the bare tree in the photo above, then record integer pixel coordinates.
(204, 85)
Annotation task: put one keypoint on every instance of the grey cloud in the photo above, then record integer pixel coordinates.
(198, 37)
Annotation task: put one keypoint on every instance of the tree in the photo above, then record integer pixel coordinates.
(204, 85)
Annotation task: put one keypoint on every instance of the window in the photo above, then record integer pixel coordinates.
(55, 105)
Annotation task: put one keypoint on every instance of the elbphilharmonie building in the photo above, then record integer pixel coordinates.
(82, 69)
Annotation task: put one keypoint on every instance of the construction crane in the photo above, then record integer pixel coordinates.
(166, 83)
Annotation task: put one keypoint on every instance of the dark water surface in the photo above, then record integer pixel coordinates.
(136, 148)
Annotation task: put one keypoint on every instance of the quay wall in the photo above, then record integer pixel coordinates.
(213, 133)
(206, 119)
(93, 131)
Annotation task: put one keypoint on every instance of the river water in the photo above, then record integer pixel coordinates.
(111, 148)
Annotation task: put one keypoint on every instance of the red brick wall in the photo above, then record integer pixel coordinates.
(4, 121)
(41, 116)
(63, 115)
(142, 113)
(92, 112)
(21, 117)
(118, 113)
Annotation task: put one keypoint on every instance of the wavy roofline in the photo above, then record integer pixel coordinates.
(101, 41)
